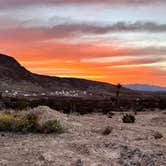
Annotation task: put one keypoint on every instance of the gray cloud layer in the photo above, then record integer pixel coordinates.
(71, 30)
(19, 3)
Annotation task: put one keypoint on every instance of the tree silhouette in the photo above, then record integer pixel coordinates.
(118, 86)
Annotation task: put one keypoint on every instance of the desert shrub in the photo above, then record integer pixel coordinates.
(157, 135)
(107, 130)
(53, 126)
(6, 122)
(15, 103)
(4, 116)
(164, 112)
(110, 114)
(21, 104)
(9, 122)
(162, 104)
(27, 124)
(128, 118)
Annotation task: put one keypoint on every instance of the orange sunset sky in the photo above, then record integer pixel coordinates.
(122, 41)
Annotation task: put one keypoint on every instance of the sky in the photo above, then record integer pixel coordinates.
(115, 41)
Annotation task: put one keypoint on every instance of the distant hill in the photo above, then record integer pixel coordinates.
(146, 87)
(13, 76)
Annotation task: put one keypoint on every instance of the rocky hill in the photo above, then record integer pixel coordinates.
(15, 76)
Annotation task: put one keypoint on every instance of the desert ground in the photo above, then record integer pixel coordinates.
(85, 142)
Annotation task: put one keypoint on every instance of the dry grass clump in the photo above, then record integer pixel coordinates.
(53, 126)
(28, 123)
(11, 123)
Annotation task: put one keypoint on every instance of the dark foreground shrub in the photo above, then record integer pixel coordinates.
(15, 103)
(107, 130)
(157, 135)
(53, 126)
(28, 123)
(128, 118)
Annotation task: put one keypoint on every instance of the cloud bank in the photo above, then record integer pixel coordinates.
(105, 40)
(20, 3)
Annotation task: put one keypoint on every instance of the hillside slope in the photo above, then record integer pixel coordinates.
(15, 76)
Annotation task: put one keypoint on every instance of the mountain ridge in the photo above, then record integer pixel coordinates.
(14, 76)
(145, 87)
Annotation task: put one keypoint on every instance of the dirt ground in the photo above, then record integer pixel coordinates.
(83, 144)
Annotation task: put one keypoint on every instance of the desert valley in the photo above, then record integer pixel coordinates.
(82, 83)
(72, 122)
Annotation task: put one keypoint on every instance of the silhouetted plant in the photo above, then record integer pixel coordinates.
(119, 86)
(128, 118)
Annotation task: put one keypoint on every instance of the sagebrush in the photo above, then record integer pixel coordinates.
(28, 123)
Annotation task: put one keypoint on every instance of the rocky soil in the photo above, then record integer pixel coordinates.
(86, 144)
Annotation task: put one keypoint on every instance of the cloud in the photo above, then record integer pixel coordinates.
(67, 31)
(20, 3)
(115, 59)
(54, 59)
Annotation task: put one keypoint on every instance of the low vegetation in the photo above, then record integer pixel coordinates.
(128, 118)
(107, 130)
(84, 106)
(157, 135)
(28, 123)
(53, 126)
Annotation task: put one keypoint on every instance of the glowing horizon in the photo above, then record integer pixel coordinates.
(120, 41)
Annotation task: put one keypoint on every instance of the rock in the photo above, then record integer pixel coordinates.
(45, 114)
(129, 156)
(47, 156)
(81, 148)
(110, 114)
(147, 160)
(79, 162)
(4, 162)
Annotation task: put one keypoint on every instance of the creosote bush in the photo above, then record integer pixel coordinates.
(28, 123)
(9, 122)
(128, 118)
(53, 126)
